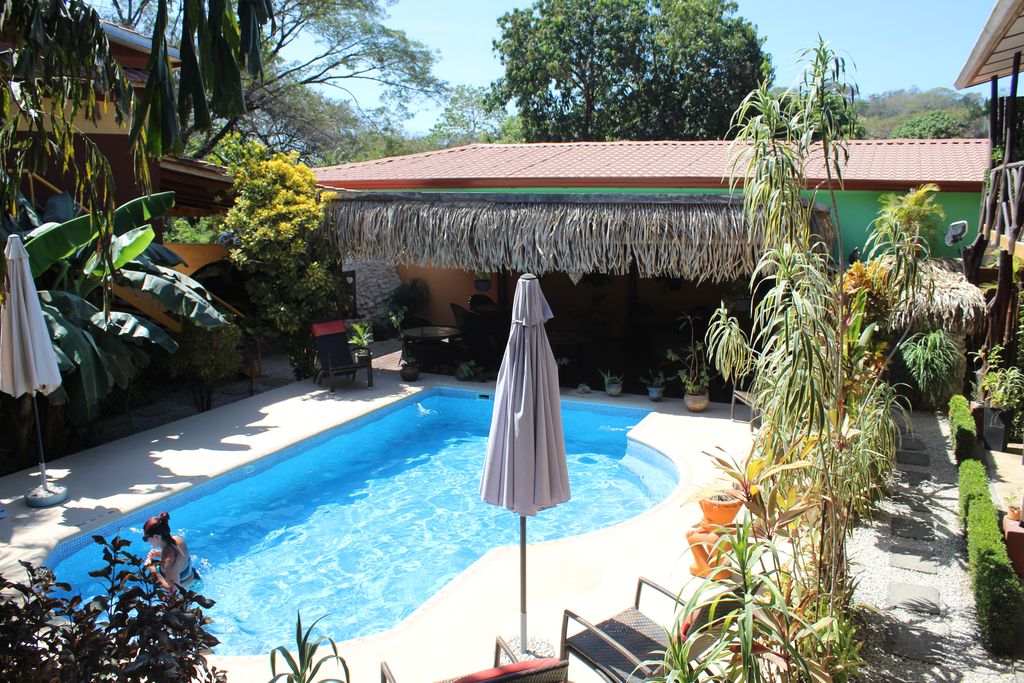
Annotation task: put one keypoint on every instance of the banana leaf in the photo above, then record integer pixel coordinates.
(134, 328)
(177, 292)
(60, 208)
(91, 380)
(52, 242)
(123, 248)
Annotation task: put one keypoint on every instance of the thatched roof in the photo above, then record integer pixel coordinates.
(945, 301)
(694, 236)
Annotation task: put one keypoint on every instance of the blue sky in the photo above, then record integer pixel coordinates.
(893, 44)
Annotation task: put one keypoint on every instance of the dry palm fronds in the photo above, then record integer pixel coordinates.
(694, 236)
(945, 300)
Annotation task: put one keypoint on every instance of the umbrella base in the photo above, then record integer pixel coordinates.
(536, 648)
(46, 496)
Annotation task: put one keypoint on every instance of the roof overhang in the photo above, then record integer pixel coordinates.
(700, 237)
(200, 188)
(1002, 37)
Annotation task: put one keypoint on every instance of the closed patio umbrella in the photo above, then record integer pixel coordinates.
(28, 364)
(525, 469)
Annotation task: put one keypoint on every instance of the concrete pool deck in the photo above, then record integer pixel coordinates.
(453, 632)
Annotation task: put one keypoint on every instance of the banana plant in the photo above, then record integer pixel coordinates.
(99, 350)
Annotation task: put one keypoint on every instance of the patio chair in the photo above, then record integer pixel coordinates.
(617, 648)
(463, 318)
(334, 354)
(479, 300)
(528, 671)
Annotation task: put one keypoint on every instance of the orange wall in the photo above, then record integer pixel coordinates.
(446, 286)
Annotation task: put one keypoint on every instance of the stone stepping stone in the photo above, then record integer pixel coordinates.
(916, 458)
(911, 527)
(910, 596)
(913, 478)
(912, 444)
(911, 643)
(906, 559)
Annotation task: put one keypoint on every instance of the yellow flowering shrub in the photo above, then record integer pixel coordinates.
(292, 276)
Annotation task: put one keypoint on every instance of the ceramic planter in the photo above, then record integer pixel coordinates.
(655, 393)
(482, 284)
(996, 432)
(613, 389)
(719, 510)
(409, 372)
(696, 403)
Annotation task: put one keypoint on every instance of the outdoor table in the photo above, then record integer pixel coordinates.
(430, 345)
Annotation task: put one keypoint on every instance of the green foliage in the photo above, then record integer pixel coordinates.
(292, 276)
(204, 357)
(468, 117)
(914, 212)
(973, 484)
(884, 112)
(997, 590)
(304, 667)
(935, 363)
(933, 124)
(361, 335)
(963, 434)
(133, 632)
(203, 230)
(727, 343)
(1003, 388)
(627, 69)
(655, 378)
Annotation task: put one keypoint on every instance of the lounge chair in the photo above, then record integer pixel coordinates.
(335, 356)
(617, 648)
(528, 671)
(479, 300)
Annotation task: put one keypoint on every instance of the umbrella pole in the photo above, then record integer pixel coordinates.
(39, 439)
(522, 584)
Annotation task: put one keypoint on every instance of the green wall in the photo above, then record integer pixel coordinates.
(857, 209)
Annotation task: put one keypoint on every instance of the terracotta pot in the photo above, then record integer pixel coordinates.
(719, 512)
(1013, 513)
(696, 403)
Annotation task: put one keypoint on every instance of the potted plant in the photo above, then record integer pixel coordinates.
(467, 370)
(360, 337)
(482, 283)
(1012, 507)
(1003, 392)
(410, 368)
(655, 381)
(695, 376)
(612, 382)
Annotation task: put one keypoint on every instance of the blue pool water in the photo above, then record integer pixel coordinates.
(367, 521)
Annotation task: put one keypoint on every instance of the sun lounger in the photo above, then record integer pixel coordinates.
(528, 671)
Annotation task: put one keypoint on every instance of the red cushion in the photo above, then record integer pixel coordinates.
(506, 669)
(329, 327)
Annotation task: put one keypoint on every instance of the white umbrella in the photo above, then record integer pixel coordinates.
(28, 364)
(525, 469)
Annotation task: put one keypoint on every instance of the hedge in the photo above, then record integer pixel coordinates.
(963, 435)
(973, 486)
(997, 590)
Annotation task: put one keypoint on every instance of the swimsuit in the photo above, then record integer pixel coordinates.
(186, 576)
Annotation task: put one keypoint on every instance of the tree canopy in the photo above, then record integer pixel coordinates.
(940, 112)
(627, 69)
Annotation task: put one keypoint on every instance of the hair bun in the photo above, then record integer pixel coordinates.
(164, 516)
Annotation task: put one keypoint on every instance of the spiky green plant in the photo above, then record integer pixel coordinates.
(304, 666)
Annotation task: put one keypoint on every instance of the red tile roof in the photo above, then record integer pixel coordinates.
(955, 164)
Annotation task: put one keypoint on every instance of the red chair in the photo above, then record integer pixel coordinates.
(528, 671)
(334, 354)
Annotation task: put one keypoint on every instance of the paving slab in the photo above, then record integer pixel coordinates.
(913, 479)
(913, 527)
(910, 457)
(912, 643)
(912, 444)
(907, 559)
(913, 597)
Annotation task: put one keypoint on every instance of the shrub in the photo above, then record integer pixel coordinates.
(963, 434)
(204, 357)
(276, 218)
(932, 364)
(997, 590)
(973, 485)
(134, 631)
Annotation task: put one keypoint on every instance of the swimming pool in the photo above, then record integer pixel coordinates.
(365, 522)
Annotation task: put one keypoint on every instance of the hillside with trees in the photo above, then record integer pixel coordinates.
(913, 113)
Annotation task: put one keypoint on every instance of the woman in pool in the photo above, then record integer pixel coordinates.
(169, 560)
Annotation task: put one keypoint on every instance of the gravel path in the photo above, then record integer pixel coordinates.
(911, 646)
